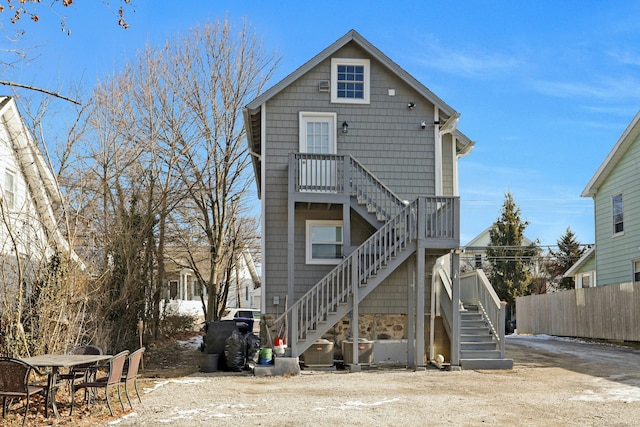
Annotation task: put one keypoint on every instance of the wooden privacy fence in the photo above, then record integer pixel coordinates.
(609, 312)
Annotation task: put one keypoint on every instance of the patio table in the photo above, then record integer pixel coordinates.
(57, 361)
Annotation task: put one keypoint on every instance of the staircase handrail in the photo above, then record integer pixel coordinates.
(377, 194)
(336, 287)
(489, 304)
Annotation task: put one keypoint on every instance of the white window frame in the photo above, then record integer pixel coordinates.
(635, 264)
(309, 243)
(9, 188)
(366, 83)
(613, 214)
(305, 117)
(581, 280)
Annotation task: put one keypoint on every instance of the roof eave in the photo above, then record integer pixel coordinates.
(628, 136)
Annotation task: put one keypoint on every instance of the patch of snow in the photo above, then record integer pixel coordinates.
(194, 343)
(357, 404)
(119, 420)
(163, 383)
(609, 391)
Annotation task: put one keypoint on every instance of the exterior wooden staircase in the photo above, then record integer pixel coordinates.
(479, 348)
(431, 221)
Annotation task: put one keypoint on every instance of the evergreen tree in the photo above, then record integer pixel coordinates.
(510, 272)
(569, 251)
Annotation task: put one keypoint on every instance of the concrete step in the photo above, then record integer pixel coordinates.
(480, 354)
(281, 366)
(486, 363)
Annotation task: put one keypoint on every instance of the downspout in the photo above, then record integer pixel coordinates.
(437, 137)
(435, 299)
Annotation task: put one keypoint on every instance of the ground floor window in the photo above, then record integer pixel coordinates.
(324, 242)
(636, 271)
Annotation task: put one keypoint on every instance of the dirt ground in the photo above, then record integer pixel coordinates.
(554, 382)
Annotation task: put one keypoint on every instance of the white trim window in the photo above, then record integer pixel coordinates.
(617, 210)
(584, 280)
(636, 271)
(317, 132)
(9, 188)
(350, 81)
(325, 244)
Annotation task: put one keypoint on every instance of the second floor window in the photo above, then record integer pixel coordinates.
(478, 260)
(618, 215)
(350, 80)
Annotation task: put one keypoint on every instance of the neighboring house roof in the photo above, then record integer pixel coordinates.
(627, 138)
(42, 185)
(482, 240)
(584, 259)
(252, 117)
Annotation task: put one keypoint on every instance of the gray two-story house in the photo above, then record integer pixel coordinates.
(356, 166)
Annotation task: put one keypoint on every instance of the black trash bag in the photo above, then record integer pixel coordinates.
(235, 351)
(253, 350)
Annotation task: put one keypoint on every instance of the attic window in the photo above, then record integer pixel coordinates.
(350, 81)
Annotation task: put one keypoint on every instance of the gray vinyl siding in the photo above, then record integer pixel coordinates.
(614, 254)
(385, 136)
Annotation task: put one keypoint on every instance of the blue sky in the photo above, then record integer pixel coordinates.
(545, 88)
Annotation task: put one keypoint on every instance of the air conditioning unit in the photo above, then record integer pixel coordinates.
(319, 355)
(365, 352)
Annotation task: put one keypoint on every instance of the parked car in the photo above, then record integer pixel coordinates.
(245, 313)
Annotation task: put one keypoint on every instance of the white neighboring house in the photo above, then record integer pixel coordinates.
(183, 293)
(584, 270)
(29, 232)
(475, 252)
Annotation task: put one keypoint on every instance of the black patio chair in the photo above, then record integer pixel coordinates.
(14, 383)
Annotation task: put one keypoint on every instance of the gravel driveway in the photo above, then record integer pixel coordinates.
(554, 382)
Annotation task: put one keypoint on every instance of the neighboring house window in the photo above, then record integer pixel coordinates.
(173, 289)
(636, 271)
(618, 215)
(9, 189)
(350, 80)
(324, 242)
(585, 281)
(478, 260)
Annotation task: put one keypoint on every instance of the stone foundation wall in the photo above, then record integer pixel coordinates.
(382, 327)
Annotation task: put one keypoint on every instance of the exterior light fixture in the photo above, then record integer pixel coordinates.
(411, 105)
(345, 127)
